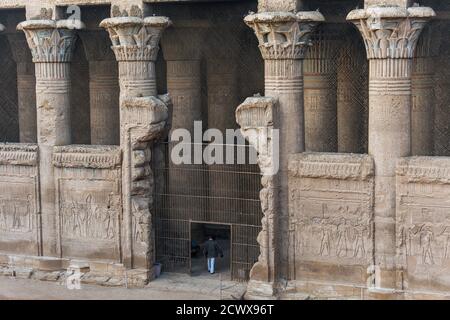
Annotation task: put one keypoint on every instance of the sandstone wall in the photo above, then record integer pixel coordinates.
(423, 224)
(19, 199)
(331, 217)
(89, 202)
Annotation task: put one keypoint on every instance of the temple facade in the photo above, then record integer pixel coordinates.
(345, 104)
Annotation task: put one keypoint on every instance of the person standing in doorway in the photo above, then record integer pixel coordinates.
(211, 251)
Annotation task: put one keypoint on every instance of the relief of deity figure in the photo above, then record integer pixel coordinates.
(17, 223)
(342, 238)
(446, 234)
(3, 217)
(360, 231)
(76, 223)
(139, 224)
(108, 222)
(426, 239)
(327, 235)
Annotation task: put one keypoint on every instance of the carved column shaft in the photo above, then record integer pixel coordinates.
(103, 88)
(423, 95)
(51, 43)
(320, 91)
(182, 49)
(390, 35)
(283, 40)
(183, 83)
(104, 100)
(222, 85)
(352, 96)
(26, 88)
(142, 119)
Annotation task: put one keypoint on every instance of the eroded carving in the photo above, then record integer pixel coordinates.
(284, 35)
(330, 212)
(50, 40)
(390, 32)
(134, 38)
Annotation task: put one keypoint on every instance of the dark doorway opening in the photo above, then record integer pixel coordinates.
(200, 233)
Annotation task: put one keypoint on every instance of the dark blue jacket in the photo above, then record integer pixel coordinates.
(212, 249)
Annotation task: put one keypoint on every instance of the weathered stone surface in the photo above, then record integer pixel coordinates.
(352, 226)
(390, 34)
(331, 217)
(422, 237)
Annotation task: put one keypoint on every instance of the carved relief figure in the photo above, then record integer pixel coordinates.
(426, 239)
(361, 231)
(139, 224)
(446, 234)
(15, 214)
(89, 219)
(342, 238)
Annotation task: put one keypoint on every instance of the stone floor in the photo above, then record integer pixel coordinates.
(170, 286)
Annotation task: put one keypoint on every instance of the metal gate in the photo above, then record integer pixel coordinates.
(223, 194)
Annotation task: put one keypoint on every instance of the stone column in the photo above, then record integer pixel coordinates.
(352, 95)
(143, 118)
(423, 96)
(51, 43)
(283, 41)
(103, 88)
(390, 35)
(222, 90)
(320, 85)
(26, 88)
(182, 49)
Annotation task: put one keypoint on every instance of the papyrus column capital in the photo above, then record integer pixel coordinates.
(284, 35)
(50, 40)
(135, 38)
(390, 32)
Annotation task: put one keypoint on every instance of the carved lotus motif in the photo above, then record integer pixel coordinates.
(50, 40)
(134, 38)
(284, 35)
(390, 32)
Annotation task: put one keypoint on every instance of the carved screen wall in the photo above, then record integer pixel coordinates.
(88, 201)
(19, 199)
(423, 223)
(331, 217)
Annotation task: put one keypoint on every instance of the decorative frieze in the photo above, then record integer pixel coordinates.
(95, 157)
(424, 170)
(18, 154)
(331, 166)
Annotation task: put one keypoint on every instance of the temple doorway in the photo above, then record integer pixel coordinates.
(193, 201)
(200, 233)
